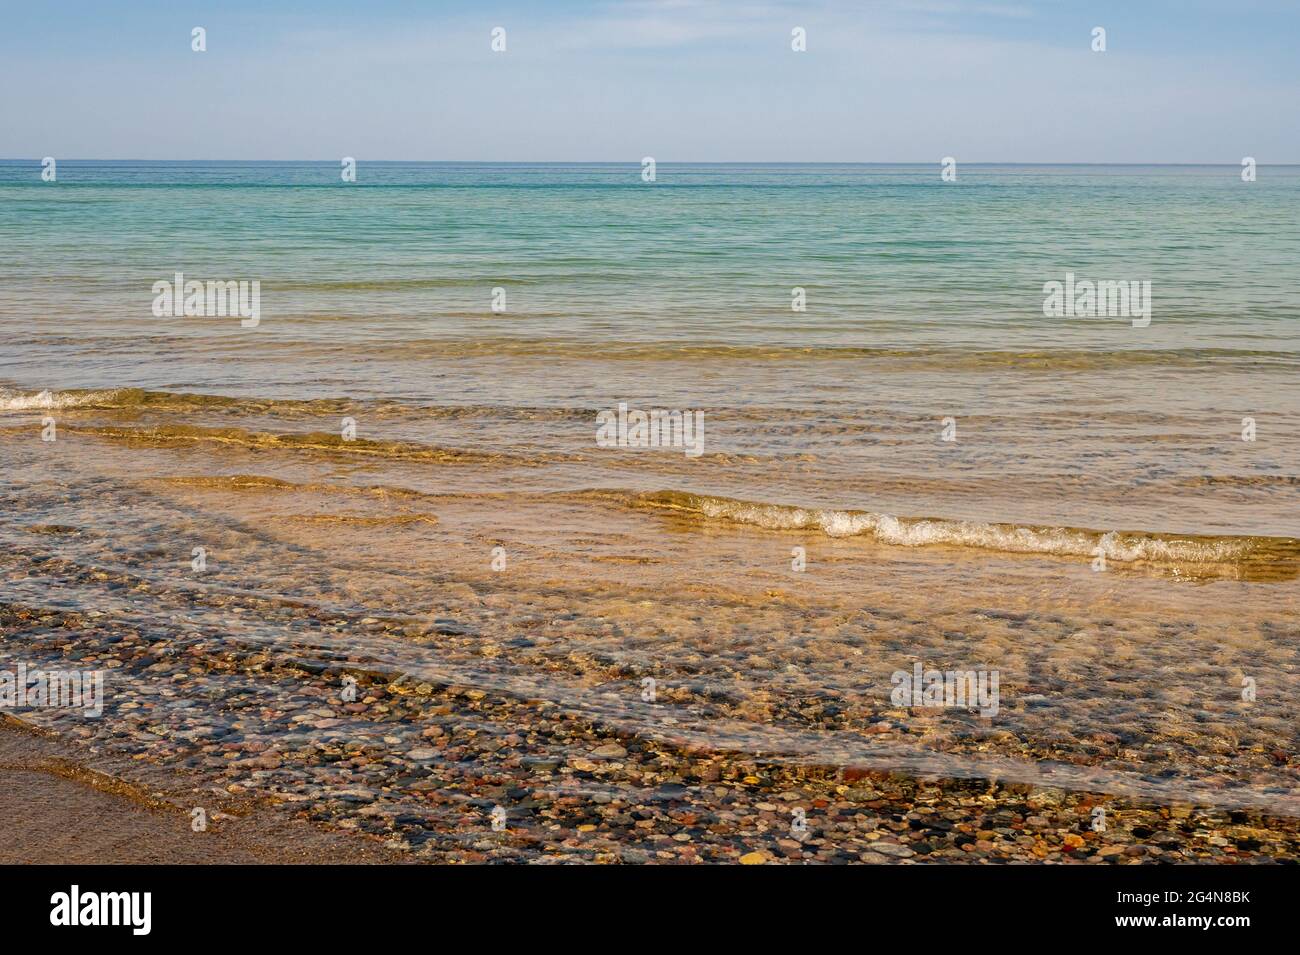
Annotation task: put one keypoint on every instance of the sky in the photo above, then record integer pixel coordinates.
(1181, 81)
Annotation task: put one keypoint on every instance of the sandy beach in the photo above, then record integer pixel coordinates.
(61, 805)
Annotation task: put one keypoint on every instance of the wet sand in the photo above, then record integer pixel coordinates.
(58, 809)
(58, 805)
(630, 799)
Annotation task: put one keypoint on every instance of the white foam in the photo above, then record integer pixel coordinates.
(49, 400)
(920, 532)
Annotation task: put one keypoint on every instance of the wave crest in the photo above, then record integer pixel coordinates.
(1196, 555)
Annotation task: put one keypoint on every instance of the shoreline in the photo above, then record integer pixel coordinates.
(63, 805)
(668, 806)
(289, 768)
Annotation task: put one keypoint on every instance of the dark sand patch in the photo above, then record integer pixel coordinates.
(57, 808)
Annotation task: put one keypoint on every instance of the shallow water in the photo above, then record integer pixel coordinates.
(1079, 444)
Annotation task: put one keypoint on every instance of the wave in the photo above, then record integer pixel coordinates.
(919, 358)
(320, 442)
(405, 346)
(259, 482)
(1195, 555)
(140, 399)
(1242, 480)
(363, 520)
(52, 400)
(846, 415)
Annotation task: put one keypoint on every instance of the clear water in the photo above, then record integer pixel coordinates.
(1075, 438)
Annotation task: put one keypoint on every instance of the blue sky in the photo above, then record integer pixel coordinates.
(680, 80)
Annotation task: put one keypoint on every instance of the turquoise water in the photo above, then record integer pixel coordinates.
(924, 300)
(891, 256)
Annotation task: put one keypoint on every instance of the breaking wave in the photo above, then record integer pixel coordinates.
(1194, 554)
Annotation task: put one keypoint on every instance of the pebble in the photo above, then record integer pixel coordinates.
(423, 765)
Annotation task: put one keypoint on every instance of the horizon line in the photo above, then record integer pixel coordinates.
(638, 162)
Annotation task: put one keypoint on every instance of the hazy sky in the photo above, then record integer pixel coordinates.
(680, 80)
